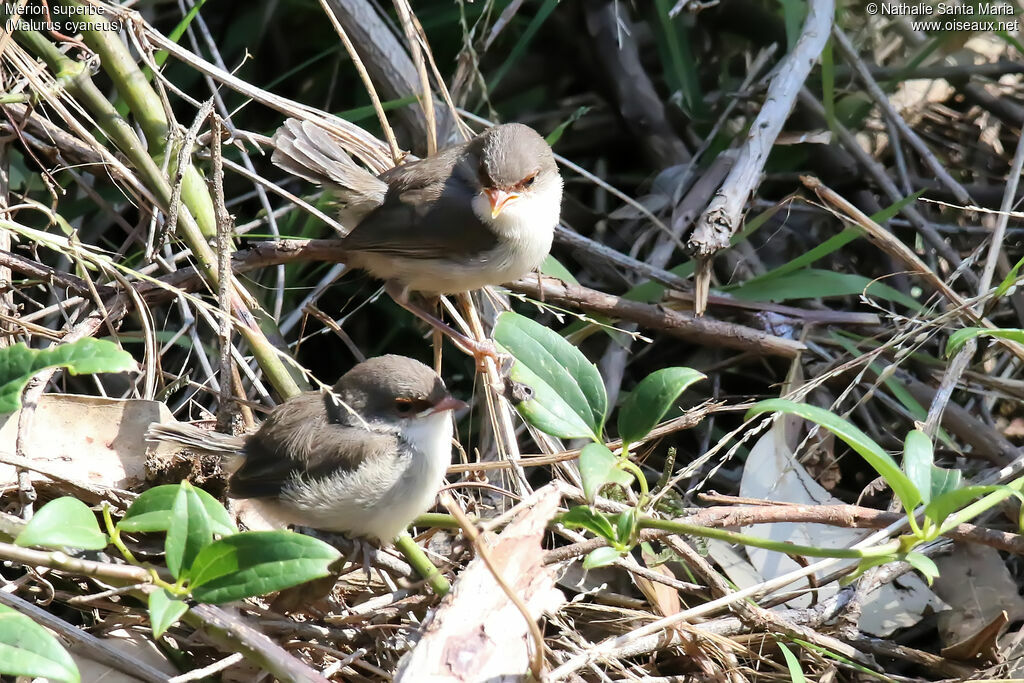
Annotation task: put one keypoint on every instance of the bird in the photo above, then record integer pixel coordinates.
(478, 213)
(365, 458)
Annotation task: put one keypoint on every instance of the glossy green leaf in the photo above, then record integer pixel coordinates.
(923, 564)
(855, 439)
(599, 466)
(151, 511)
(189, 533)
(944, 481)
(917, 462)
(82, 357)
(569, 399)
(28, 649)
(944, 505)
(257, 563)
(651, 399)
(583, 517)
(164, 611)
(961, 337)
(601, 557)
(63, 523)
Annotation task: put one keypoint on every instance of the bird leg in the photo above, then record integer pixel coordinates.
(478, 349)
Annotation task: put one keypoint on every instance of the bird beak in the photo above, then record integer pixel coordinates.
(446, 403)
(499, 199)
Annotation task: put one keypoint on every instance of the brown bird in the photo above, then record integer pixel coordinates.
(366, 458)
(478, 213)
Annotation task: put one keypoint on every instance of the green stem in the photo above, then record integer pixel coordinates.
(148, 110)
(640, 478)
(115, 537)
(113, 125)
(1014, 488)
(744, 539)
(422, 564)
(438, 520)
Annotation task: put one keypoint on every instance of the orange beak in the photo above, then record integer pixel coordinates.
(499, 199)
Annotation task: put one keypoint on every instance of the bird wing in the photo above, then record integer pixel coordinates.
(426, 213)
(290, 442)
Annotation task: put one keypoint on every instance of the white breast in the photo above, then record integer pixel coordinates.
(525, 229)
(378, 499)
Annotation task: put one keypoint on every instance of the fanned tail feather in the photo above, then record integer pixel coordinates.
(189, 436)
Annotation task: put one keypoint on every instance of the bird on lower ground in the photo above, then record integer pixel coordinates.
(365, 458)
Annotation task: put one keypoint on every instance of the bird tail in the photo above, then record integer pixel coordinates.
(188, 436)
(308, 151)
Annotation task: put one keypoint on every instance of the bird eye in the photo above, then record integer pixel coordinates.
(403, 406)
(529, 181)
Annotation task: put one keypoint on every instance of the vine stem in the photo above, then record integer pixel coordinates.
(883, 550)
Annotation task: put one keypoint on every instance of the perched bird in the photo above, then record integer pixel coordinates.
(366, 458)
(478, 213)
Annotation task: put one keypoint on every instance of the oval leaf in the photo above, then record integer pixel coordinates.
(189, 533)
(28, 649)
(855, 439)
(164, 611)
(598, 466)
(924, 564)
(917, 462)
(569, 399)
(151, 511)
(63, 523)
(583, 517)
(601, 557)
(651, 399)
(256, 563)
(85, 356)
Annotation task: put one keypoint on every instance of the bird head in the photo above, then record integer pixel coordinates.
(515, 165)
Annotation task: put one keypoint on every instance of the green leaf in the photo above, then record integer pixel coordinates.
(813, 283)
(569, 399)
(554, 136)
(190, 531)
(552, 267)
(944, 481)
(855, 438)
(942, 506)
(862, 566)
(961, 337)
(796, 672)
(601, 557)
(599, 466)
(28, 649)
(86, 356)
(651, 399)
(917, 462)
(256, 563)
(1008, 281)
(625, 526)
(517, 51)
(151, 511)
(583, 517)
(164, 611)
(923, 564)
(63, 523)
